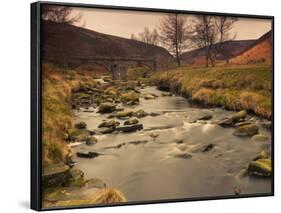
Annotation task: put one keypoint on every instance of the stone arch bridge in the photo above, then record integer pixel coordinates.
(118, 66)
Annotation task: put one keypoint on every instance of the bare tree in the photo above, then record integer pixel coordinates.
(149, 37)
(154, 37)
(60, 14)
(174, 34)
(224, 25)
(133, 37)
(204, 35)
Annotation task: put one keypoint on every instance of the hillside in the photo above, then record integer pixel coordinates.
(62, 42)
(259, 51)
(232, 48)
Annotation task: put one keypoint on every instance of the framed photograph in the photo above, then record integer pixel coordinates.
(140, 106)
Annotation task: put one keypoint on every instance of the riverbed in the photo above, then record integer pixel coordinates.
(172, 165)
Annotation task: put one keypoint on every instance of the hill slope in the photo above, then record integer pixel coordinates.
(62, 42)
(232, 48)
(259, 51)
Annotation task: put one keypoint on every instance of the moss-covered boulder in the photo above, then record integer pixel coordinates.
(80, 125)
(91, 140)
(140, 113)
(107, 107)
(149, 96)
(100, 196)
(260, 137)
(226, 122)
(55, 175)
(130, 128)
(262, 155)
(260, 167)
(110, 123)
(112, 91)
(124, 114)
(130, 98)
(246, 130)
(239, 116)
(131, 122)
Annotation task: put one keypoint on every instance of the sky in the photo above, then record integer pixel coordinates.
(124, 23)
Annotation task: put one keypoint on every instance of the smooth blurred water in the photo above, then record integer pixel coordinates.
(152, 170)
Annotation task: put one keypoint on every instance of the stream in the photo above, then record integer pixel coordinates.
(171, 166)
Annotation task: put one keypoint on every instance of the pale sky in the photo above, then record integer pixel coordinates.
(124, 23)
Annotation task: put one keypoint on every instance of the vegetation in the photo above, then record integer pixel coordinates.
(57, 117)
(233, 87)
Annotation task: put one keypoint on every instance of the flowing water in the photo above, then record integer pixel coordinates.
(162, 167)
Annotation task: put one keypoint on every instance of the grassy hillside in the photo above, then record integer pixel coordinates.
(57, 85)
(61, 42)
(232, 48)
(234, 87)
(259, 51)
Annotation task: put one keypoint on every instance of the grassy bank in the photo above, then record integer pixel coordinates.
(57, 116)
(234, 87)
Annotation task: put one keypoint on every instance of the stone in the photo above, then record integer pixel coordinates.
(130, 98)
(106, 130)
(85, 154)
(246, 130)
(107, 107)
(239, 115)
(55, 175)
(207, 148)
(137, 142)
(226, 122)
(140, 113)
(80, 125)
(182, 155)
(262, 155)
(205, 117)
(260, 167)
(130, 128)
(110, 124)
(131, 122)
(242, 123)
(154, 135)
(149, 96)
(260, 137)
(267, 125)
(124, 114)
(91, 140)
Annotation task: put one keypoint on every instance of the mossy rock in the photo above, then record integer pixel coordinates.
(107, 107)
(77, 178)
(226, 122)
(124, 114)
(130, 97)
(131, 122)
(140, 113)
(80, 125)
(262, 155)
(154, 135)
(111, 91)
(149, 96)
(246, 130)
(78, 134)
(91, 140)
(100, 196)
(260, 137)
(55, 175)
(260, 167)
(110, 123)
(239, 115)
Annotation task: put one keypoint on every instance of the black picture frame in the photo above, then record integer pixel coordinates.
(36, 102)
